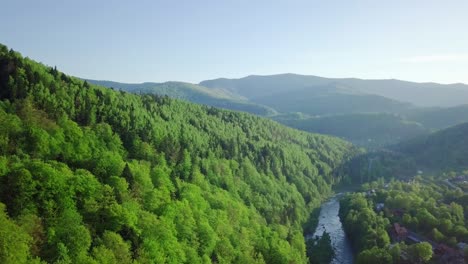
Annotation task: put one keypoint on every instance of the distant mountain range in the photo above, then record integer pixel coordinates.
(370, 113)
(372, 130)
(221, 98)
(255, 87)
(444, 149)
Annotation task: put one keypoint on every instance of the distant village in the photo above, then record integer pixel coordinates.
(399, 233)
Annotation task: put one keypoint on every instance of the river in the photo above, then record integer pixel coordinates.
(330, 221)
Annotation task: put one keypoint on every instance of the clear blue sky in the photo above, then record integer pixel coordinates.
(136, 41)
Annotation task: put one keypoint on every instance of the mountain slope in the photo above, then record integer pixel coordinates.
(369, 130)
(442, 150)
(179, 90)
(91, 175)
(346, 107)
(330, 100)
(419, 94)
(193, 93)
(439, 118)
(255, 86)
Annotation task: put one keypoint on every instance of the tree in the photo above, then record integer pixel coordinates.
(20, 191)
(320, 250)
(14, 242)
(69, 232)
(374, 255)
(113, 247)
(420, 252)
(426, 219)
(437, 235)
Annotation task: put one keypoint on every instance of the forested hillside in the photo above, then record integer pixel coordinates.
(376, 130)
(193, 93)
(360, 111)
(442, 150)
(372, 130)
(439, 118)
(92, 175)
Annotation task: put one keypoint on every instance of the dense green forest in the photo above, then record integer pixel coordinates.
(194, 93)
(355, 110)
(429, 214)
(93, 175)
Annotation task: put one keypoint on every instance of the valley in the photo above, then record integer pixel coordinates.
(233, 132)
(359, 111)
(139, 173)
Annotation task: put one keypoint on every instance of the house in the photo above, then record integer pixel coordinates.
(413, 238)
(447, 254)
(379, 207)
(398, 212)
(398, 233)
(443, 249)
(462, 246)
(459, 179)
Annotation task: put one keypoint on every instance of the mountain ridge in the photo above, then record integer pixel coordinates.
(194, 93)
(280, 96)
(383, 87)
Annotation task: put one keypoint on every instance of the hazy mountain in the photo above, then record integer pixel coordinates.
(439, 118)
(330, 99)
(255, 86)
(444, 149)
(369, 130)
(361, 111)
(374, 130)
(194, 93)
(419, 94)
(440, 151)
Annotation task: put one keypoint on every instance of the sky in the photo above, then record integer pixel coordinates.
(178, 40)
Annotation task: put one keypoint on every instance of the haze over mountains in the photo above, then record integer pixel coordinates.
(371, 113)
(420, 94)
(444, 149)
(193, 93)
(93, 175)
(240, 167)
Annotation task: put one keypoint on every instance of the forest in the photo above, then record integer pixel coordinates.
(93, 175)
(194, 93)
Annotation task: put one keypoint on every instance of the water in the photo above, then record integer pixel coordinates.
(330, 221)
